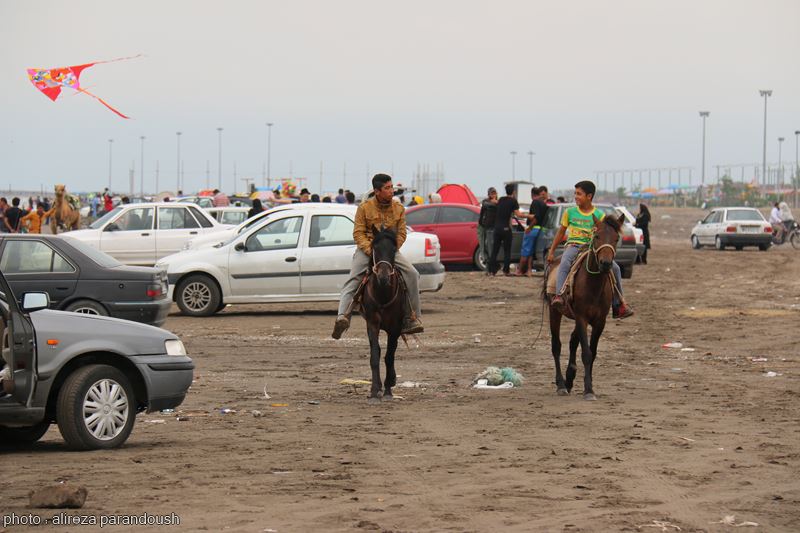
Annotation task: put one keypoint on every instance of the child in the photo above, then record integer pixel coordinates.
(579, 220)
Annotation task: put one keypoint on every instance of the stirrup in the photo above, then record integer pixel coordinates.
(342, 324)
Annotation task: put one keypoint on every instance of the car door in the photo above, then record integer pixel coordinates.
(18, 345)
(703, 227)
(130, 237)
(32, 265)
(175, 227)
(423, 219)
(457, 229)
(203, 218)
(710, 227)
(327, 255)
(264, 262)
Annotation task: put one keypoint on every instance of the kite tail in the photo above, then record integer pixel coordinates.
(102, 102)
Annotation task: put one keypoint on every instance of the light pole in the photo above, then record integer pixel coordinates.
(219, 172)
(704, 115)
(178, 173)
(269, 152)
(779, 175)
(531, 153)
(766, 93)
(796, 168)
(513, 166)
(110, 144)
(141, 169)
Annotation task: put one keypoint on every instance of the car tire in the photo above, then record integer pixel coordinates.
(478, 261)
(198, 295)
(696, 243)
(25, 436)
(109, 389)
(626, 271)
(763, 247)
(87, 307)
(718, 243)
(739, 248)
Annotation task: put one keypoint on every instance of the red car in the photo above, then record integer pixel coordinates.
(456, 225)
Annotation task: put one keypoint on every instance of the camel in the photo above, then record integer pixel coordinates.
(62, 214)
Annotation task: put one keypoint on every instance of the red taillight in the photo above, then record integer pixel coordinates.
(768, 229)
(629, 239)
(641, 238)
(152, 293)
(731, 229)
(430, 249)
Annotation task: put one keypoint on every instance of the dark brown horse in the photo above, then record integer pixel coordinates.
(384, 304)
(592, 293)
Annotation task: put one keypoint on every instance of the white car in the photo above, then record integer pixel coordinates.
(141, 234)
(228, 215)
(638, 233)
(733, 226)
(293, 255)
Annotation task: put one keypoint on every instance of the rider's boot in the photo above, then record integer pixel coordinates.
(557, 302)
(412, 326)
(341, 325)
(621, 311)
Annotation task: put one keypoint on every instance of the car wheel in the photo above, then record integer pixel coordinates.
(696, 242)
(739, 248)
(87, 307)
(478, 261)
(763, 247)
(96, 408)
(718, 243)
(199, 295)
(24, 436)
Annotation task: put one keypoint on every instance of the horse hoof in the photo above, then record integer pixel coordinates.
(589, 397)
(388, 397)
(563, 392)
(374, 400)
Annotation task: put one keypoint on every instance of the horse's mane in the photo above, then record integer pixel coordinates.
(385, 234)
(613, 222)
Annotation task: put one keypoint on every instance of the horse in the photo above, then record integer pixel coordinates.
(383, 304)
(592, 293)
(63, 214)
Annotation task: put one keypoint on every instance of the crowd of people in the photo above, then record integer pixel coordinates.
(24, 218)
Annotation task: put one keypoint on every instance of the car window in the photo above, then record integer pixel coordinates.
(716, 216)
(232, 217)
(331, 230)
(100, 222)
(175, 218)
(257, 219)
(421, 216)
(201, 218)
(455, 215)
(277, 235)
(101, 258)
(744, 214)
(551, 219)
(135, 219)
(25, 257)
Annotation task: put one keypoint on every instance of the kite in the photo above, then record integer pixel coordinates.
(50, 81)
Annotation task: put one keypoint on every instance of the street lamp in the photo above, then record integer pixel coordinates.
(269, 152)
(513, 166)
(219, 173)
(110, 144)
(704, 115)
(141, 169)
(766, 94)
(779, 175)
(796, 168)
(531, 153)
(178, 173)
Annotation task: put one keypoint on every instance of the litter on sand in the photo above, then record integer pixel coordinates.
(687, 349)
(771, 374)
(672, 345)
(279, 405)
(348, 381)
(496, 377)
(484, 384)
(411, 385)
(661, 524)
(758, 359)
(730, 520)
(226, 411)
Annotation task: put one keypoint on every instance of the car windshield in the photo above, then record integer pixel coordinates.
(745, 214)
(100, 222)
(101, 258)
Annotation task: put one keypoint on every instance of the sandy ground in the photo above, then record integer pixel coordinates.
(678, 439)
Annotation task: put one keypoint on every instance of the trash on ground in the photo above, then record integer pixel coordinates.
(279, 405)
(759, 359)
(476, 338)
(313, 402)
(771, 374)
(266, 396)
(257, 413)
(348, 381)
(687, 349)
(730, 520)
(155, 421)
(672, 345)
(227, 411)
(61, 496)
(411, 384)
(497, 376)
(168, 411)
(661, 524)
(483, 384)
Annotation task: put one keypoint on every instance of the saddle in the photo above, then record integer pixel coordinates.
(355, 306)
(566, 290)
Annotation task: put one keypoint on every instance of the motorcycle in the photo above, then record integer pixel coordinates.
(791, 233)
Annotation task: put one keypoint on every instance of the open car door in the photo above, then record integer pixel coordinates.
(19, 348)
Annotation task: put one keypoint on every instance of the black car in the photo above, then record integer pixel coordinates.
(82, 279)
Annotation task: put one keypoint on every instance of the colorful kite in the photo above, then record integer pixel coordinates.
(50, 81)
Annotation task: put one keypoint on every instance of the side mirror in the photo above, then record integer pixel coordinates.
(34, 301)
(240, 247)
(112, 227)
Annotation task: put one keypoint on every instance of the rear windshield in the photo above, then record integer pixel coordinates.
(101, 258)
(745, 214)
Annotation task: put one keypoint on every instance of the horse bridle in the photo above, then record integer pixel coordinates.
(594, 251)
(376, 263)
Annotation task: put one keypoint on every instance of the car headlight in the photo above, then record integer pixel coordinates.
(175, 347)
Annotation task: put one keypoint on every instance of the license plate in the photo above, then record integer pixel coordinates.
(751, 229)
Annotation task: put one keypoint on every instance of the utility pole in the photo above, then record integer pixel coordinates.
(269, 153)
(158, 190)
(141, 170)
(219, 175)
(779, 175)
(704, 115)
(110, 144)
(766, 94)
(513, 166)
(178, 175)
(531, 153)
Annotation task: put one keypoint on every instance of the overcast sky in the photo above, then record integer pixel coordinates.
(377, 85)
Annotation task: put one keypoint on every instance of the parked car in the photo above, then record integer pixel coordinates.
(141, 234)
(456, 225)
(203, 201)
(733, 226)
(626, 248)
(81, 279)
(229, 215)
(294, 255)
(638, 233)
(88, 374)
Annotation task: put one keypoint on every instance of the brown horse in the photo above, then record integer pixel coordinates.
(383, 303)
(63, 215)
(592, 293)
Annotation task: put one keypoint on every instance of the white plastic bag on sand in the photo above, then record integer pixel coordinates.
(484, 384)
(672, 345)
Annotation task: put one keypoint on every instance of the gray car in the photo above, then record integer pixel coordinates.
(89, 374)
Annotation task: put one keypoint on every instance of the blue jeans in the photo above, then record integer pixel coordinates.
(570, 253)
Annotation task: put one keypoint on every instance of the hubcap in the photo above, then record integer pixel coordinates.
(196, 296)
(86, 311)
(105, 409)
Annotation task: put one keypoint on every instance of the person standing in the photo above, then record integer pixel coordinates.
(3, 209)
(486, 223)
(643, 223)
(256, 209)
(32, 222)
(340, 199)
(13, 215)
(507, 206)
(535, 221)
(220, 199)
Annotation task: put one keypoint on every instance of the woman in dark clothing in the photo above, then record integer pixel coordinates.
(256, 209)
(643, 223)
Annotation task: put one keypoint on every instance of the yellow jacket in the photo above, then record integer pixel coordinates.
(373, 214)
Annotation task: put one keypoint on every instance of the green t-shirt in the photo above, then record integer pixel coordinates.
(580, 224)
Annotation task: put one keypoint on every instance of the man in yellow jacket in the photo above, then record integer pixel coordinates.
(379, 212)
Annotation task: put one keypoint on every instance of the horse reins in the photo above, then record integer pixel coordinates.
(393, 273)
